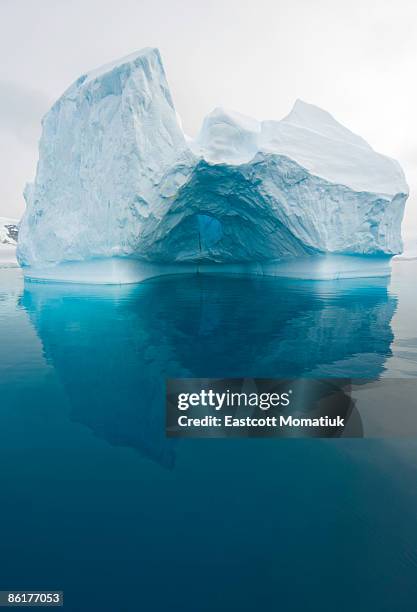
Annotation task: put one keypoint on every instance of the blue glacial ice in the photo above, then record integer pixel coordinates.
(121, 193)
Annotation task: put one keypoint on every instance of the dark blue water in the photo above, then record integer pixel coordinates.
(96, 501)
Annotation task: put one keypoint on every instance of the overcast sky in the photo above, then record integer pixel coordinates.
(356, 59)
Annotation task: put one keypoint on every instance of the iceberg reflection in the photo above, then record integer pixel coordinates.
(113, 347)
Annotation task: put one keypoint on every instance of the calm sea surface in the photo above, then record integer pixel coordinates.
(97, 502)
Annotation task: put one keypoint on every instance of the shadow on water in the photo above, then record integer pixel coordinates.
(114, 346)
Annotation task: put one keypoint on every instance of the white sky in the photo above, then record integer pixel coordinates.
(356, 59)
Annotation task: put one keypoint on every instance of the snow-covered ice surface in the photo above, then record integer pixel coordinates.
(117, 179)
(308, 135)
(8, 242)
(8, 231)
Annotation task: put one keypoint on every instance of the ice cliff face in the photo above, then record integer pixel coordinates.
(117, 177)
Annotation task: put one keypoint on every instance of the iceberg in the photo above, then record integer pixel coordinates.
(122, 194)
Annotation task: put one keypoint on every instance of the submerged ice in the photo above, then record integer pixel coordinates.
(118, 178)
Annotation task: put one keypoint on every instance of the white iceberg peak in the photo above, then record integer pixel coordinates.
(227, 137)
(149, 53)
(315, 119)
(310, 136)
